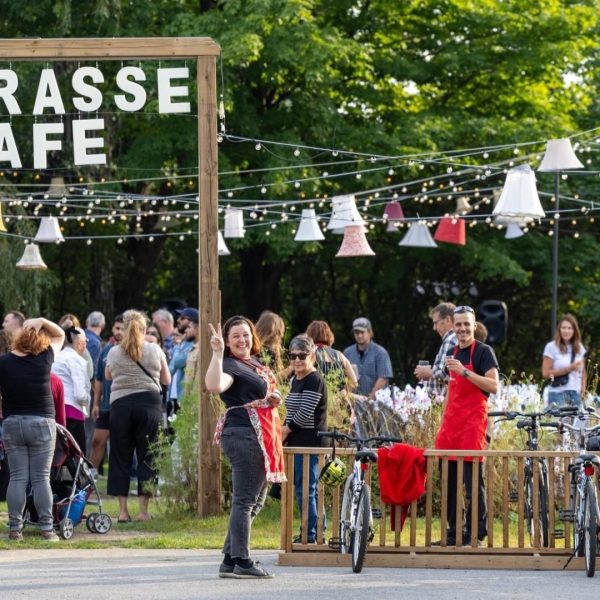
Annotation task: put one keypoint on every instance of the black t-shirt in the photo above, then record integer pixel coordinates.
(306, 405)
(247, 386)
(25, 384)
(484, 358)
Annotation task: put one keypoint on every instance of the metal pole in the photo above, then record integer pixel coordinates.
(555, 257)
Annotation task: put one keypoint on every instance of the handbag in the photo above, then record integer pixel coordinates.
(562, 379)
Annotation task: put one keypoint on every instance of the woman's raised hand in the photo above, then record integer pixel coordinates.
(35, 324)
(216, 340)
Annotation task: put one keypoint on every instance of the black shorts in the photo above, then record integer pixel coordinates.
(102, 422)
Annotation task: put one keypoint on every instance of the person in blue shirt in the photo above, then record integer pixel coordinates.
(188, 320)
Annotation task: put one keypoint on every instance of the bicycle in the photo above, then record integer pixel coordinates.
(531, 424)
(584, 512)
(356, 518)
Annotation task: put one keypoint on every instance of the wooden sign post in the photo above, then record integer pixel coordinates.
(205, 51)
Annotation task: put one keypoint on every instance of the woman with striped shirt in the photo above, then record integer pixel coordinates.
(306, 405)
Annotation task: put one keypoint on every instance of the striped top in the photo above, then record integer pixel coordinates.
(306, 405)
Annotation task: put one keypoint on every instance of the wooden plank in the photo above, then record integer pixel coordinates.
(431, 464)
(335, 509)
(567, 502)
(444, 506)
(413, 523)
(383, 523)
(489, 463)
(320, 503)
(551, 504)
(520, 502)
(304, 510)
(288, 502)
(537, 541)
(397, 526)
(459, 501)
(209, 457)
(505, 523)
(510, 453)
(103, 48)
(474, 504)
(433, 561)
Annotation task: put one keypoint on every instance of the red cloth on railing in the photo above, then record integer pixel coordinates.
(402, 475)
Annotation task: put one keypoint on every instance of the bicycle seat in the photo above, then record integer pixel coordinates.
(366, 456)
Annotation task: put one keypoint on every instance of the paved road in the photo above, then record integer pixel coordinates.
(129, 574)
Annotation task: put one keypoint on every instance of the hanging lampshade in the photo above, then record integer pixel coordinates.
(343, 212)
(513, 231)
(49, 231)
(308, 230)
(222, 248)
(519, 202)
(559, 156)
(393, 213)
(2, 225)
(418, 236)
(451, 230)
(354, 243)
(234, 223)
(31, 259)
(57, 188)
(462, 205)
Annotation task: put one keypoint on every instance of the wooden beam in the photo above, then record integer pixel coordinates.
(209, 457)
(105, 48)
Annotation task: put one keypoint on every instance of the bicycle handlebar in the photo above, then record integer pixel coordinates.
(338, 435)
(509, 415)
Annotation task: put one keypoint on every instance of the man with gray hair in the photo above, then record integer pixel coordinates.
(163, 320)
(94, 324)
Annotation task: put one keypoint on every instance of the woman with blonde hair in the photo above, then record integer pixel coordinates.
(270, 329)
(137, 369)
(29, 426)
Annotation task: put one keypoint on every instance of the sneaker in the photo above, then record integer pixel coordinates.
(15, 536)
(298, 540)
(256, 571)
(449, 542)
(226, 570)
(50, 536)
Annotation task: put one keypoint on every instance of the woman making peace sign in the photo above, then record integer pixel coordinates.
(249, 433)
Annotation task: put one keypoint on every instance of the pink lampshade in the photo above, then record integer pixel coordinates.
(354, 243)
(393, 211)
(452, 231)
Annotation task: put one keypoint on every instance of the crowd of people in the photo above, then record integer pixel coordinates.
(112, 397)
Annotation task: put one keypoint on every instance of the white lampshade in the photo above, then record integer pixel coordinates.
(559, 156)
(49, 231)
(513, 231)
(462, 205)
(309, 230)
(343, 213)
(31, 259)
(234, 223)
(354, 243)
(418, 236)
(519, 202)
(223, 250)
(57, 188)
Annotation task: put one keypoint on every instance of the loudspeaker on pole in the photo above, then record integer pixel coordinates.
(494, 315)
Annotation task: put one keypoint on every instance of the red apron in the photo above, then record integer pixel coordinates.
(464, 423)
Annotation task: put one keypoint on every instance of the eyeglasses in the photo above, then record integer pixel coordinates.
(463, 309)
(299, 355)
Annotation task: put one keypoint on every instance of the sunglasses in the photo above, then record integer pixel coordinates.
(299, 355)
(463, 309)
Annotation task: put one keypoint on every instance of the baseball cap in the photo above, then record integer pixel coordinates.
(361, 323)
(190, 313)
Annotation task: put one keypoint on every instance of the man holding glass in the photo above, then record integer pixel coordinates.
(473, 375)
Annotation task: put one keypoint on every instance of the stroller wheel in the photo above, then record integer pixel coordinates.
(90, 522)
(102, 523)
(66, 528)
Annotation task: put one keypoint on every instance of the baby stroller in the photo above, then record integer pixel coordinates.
(73, 488)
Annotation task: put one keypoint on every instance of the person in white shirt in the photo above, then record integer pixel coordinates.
(564, 364)
(71, 366)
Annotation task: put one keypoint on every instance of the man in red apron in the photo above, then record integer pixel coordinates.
(473, 376)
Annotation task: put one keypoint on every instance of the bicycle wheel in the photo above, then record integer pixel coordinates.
(578, 522)
(544, 508)
(537, 522)
(362, 532)
(346, 517)
(591, 529)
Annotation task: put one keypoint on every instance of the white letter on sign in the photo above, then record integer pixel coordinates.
(7, 91)
(11, 153)
(48, 83)
(41, 145)
(81, 143)
(93, 94)
(166, 92)
(130, 87)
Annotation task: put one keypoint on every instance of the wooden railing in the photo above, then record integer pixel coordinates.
(422, 540)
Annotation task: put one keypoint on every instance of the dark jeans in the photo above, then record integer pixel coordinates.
(249, 482)
(481, 504)
(313, 478)
(134, 425)
(29, 442)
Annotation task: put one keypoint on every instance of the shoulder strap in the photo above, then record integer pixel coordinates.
(141, 366)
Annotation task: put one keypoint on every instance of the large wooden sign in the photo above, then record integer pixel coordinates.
(205, 51)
